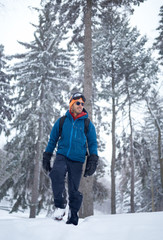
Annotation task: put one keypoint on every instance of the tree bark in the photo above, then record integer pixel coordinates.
(132, 194)
(159, 142)
(113, 184)
(132, 163)
(88, 88)
(36, 179)
(152, 191)
(86, 186)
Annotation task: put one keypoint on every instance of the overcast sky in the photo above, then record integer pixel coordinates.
(15, 18)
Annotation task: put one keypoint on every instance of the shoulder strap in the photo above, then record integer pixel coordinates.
(62, 119)
(86, 125)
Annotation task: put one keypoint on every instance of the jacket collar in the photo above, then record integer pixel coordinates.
(82, 115)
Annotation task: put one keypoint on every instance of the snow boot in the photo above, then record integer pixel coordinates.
(59, 214)
(72, 217)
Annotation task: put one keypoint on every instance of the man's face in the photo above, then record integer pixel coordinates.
(77, 109)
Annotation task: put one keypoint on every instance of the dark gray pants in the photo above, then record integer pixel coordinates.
(61, 167)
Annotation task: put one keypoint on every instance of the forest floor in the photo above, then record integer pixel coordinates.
(138, 226)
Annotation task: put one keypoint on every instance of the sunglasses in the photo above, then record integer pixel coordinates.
(78, 103)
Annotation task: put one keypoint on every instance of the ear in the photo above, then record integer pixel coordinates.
(72, 109)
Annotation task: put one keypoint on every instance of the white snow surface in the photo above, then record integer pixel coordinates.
(138, 226)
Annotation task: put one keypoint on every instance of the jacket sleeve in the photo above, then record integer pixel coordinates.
(54, 135)
(92, 139)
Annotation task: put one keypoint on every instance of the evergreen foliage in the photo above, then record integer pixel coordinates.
(5, 92)
(159, 40)
(123, 74)
(148, 189)
(42, 75)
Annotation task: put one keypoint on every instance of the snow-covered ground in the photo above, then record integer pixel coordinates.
(138, 226)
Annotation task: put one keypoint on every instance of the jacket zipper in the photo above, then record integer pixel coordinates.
(70, 138)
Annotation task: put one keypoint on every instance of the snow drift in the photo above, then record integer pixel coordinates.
(138, 226)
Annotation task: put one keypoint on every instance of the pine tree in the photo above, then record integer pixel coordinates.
(126, 73)
(42, 76)
(151, 155)
(5, 92)
(143, 184)
(147, 143)
(154, 104)
(141, 67)
(159, 40)
(6, 114)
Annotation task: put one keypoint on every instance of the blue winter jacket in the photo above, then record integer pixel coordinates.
(72, 142)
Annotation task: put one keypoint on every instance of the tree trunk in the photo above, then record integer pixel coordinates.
(113, 192)
(159, 141)
(132, 195)
(88, 88)
(86, 186)
(152, 191)
(132, 162)
(36, 179)
(159, 152)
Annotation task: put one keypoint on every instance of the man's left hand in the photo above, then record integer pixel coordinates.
(91, 165)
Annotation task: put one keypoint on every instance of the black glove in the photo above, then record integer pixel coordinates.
(46, 161)
(91, 165)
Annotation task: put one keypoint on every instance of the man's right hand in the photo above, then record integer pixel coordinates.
(46, 161)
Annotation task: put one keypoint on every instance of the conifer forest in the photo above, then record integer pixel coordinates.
(87, 46)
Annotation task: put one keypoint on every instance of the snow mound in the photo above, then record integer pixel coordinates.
(138, 226)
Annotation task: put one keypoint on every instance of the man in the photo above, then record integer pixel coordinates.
(70, 156)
